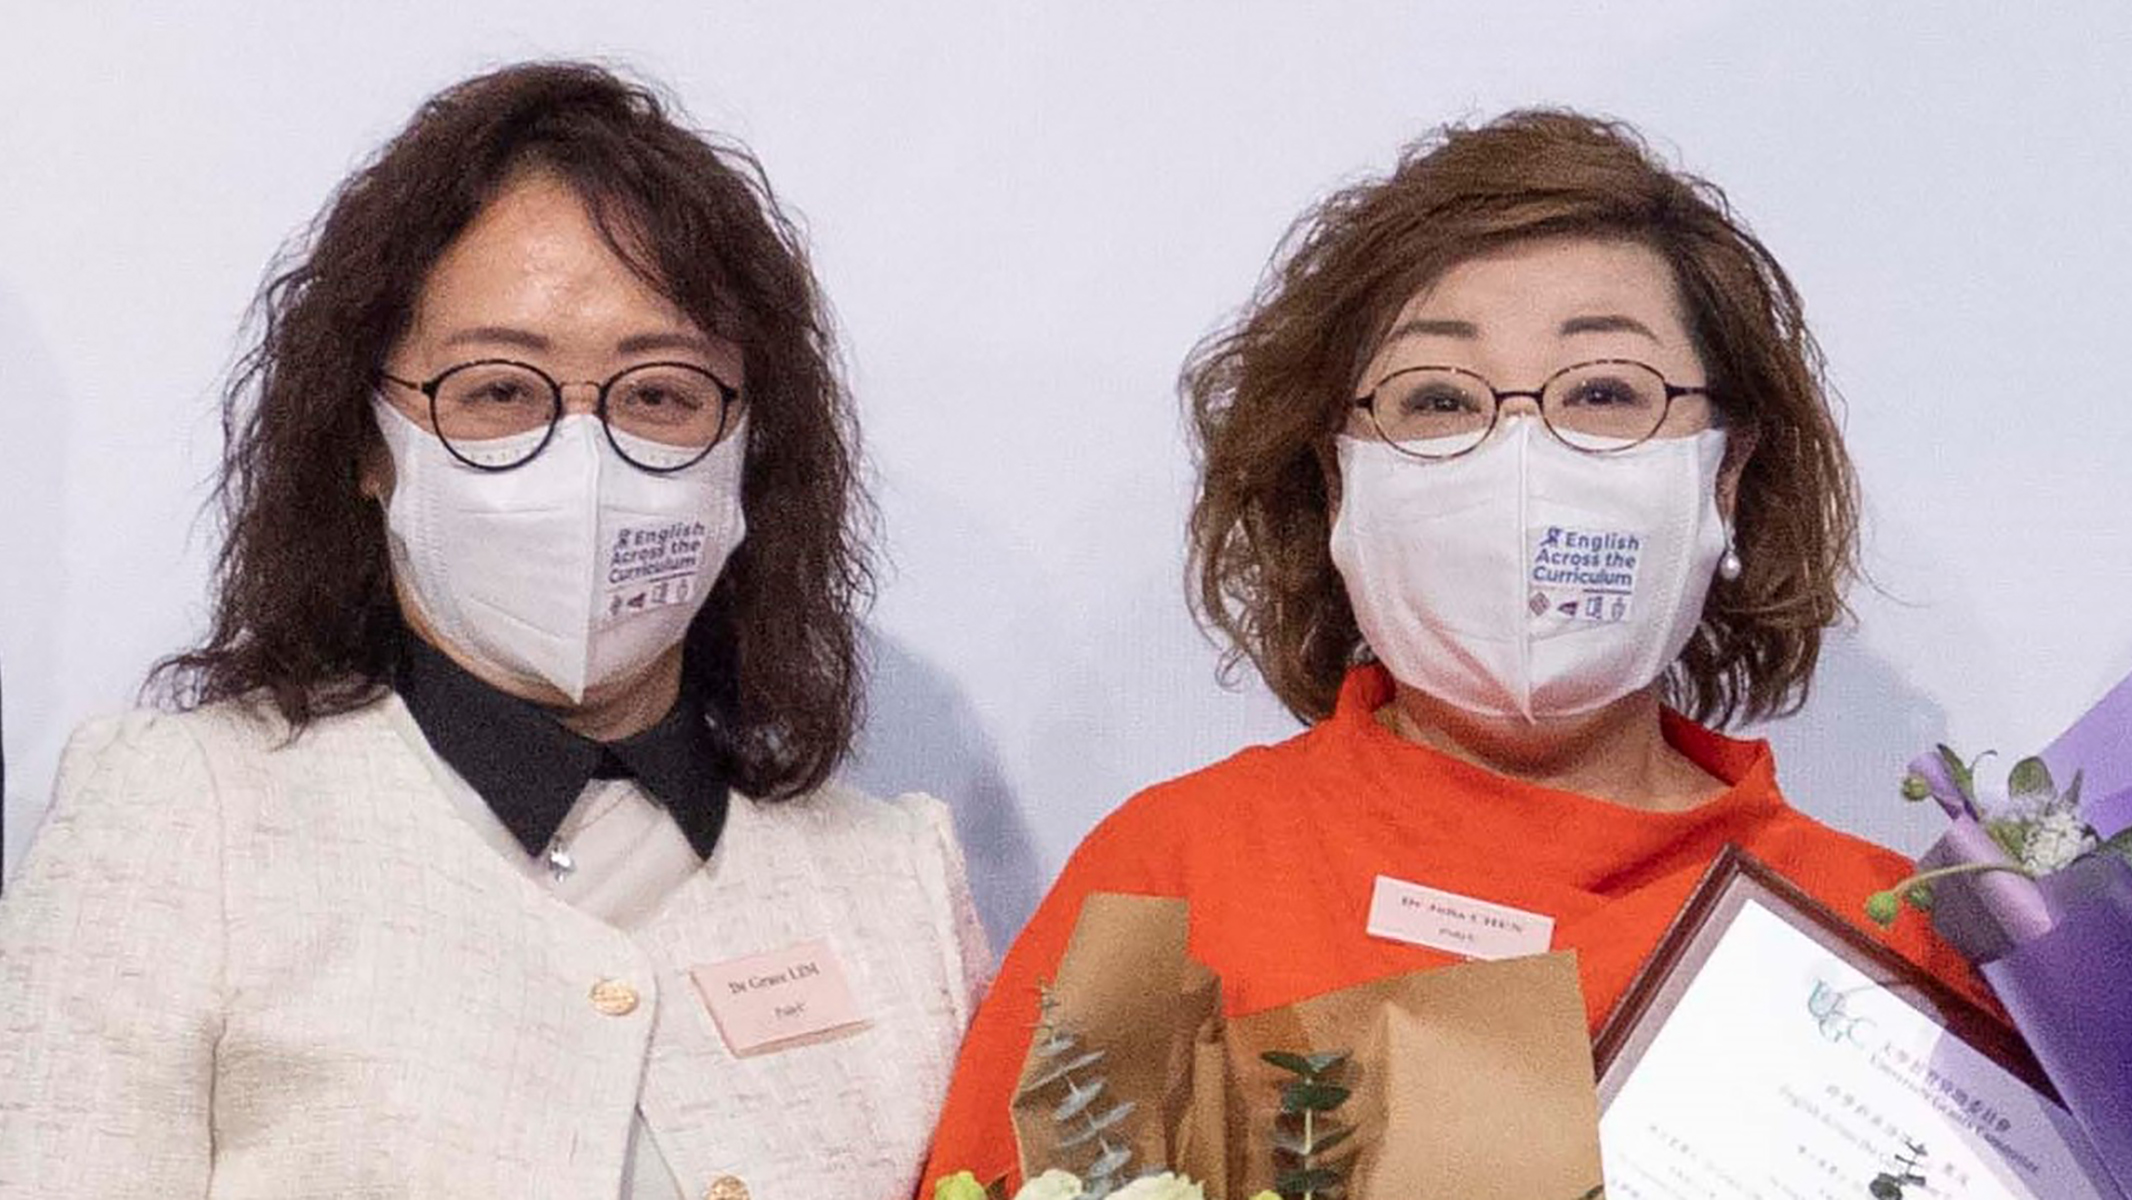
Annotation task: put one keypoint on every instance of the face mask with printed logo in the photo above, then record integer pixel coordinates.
(1527, 579)
(574, 569)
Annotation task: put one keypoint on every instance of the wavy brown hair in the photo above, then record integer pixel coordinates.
(1268, 393)
(304, 612)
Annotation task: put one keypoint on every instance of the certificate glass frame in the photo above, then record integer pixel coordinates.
(1770, 1048)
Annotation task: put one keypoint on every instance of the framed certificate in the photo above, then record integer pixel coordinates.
(1771, 1050)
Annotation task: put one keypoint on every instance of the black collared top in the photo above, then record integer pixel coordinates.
(531, 770)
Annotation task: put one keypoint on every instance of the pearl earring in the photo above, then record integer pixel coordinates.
(1729, 566)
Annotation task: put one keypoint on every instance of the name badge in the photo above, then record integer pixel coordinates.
(764, 999)
(1455, 924)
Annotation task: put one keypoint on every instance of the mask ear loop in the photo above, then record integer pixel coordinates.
(1729, 566)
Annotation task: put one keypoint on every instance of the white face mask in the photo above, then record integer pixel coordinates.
(1527, 579)
(574, 569)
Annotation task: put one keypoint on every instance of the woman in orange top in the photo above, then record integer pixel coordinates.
(1522, 452)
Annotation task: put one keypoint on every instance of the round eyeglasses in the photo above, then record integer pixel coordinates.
(659, 416)
(1600, 407)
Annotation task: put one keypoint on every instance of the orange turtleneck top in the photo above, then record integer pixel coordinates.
(1276, 850)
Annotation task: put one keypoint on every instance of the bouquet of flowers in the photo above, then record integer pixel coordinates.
(1064, 1185)
(1472, 1081)
(2025, 887)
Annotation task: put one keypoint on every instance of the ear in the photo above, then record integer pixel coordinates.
(1740, 443)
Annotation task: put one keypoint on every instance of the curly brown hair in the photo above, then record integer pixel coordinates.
(1268, 393)
(304, 612)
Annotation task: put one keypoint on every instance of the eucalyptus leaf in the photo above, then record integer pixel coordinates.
(1293, 1063)
(1326, 1060)
(1288, 1139)
(1055, 1044)
(1110, 1162)
(1311, 1096)
(1099, 1124)
(1060, 1071)
(2031, 779)
(1078, 1098)
(1312, 1179)
(1328, 1138)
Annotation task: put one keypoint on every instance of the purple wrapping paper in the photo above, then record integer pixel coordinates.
(2057, 951)
(2112, 814)
(2069, 991)
(1983, 915)
(1932, 768)
(2100, 745)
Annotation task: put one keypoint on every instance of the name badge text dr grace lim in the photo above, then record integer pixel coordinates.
(768, 998)
(1455, 924)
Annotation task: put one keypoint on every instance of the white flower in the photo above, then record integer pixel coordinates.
(1165, 1186)
(2055, 838)
(1051, 1185)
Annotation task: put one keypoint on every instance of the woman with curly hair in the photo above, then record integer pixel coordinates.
(1517, 477)
(487, 846)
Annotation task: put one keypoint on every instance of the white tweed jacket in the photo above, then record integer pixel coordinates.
(235, 968)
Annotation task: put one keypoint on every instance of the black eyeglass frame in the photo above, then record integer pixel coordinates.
(1367, 402)
(727, 395)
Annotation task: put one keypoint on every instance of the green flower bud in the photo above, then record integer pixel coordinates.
(1882, 907)
(960, 1186)
(1915, 788)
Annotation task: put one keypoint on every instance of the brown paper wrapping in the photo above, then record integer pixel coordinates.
(1472, 1081)
(1125, 987)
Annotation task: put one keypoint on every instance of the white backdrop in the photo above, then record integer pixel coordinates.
(1025, 214)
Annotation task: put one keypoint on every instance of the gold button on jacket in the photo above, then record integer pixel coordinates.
(613, 997)
(726, 1187)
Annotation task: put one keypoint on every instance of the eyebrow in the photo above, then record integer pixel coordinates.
(503, 334)
(1433, 327)
(641, 343)
(1468, 331)
(1607, 323)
